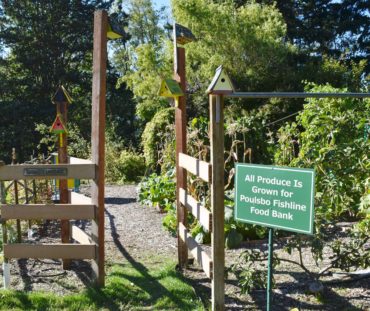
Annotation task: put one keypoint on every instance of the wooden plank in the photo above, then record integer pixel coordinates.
(197, 167)
(217, 200)
(180, 132)
(16, 199)
(46, 211)
(98, 138)
(78, 198)
(196, 250)
(80, 236)
(73, 171)
(65, 234)
(73, 160)
(50, 251)
(203, 215)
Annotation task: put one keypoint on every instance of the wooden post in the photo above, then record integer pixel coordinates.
(6, 270)
(16, 201)
(98, 137)
(16, 198)
(62, 108)
(180, 128)
(27, 201)
(217, 200)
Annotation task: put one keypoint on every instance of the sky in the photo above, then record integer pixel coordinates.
(159, 3)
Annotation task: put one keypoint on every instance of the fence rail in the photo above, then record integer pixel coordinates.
(46, 211)
(47, 171)
(50, 251)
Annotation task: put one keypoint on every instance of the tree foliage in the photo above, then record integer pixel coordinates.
(340, 29)
(47, 43)
(248, 41)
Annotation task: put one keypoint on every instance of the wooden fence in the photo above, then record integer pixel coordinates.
(88, 247)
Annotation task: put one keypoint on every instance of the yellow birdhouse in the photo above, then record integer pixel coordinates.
(116, 29)
(221, 83)
(170, 88)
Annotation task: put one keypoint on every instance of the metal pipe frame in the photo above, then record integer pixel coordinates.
(296, 95)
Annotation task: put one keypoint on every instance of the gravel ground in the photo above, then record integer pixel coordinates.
(134, 233)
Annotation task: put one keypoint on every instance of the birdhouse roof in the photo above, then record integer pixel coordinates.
(170, 88)
(183, 34)
(61, 96)
(221, 83)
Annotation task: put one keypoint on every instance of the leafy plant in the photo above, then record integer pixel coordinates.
(169, 221)
(251, 270)
(329, 135)
(158, 190)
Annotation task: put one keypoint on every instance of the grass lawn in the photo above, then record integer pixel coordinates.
(127, 288)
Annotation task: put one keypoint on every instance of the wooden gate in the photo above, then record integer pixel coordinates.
(87, 247)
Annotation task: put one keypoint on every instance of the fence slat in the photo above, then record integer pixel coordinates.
(197, 167)
(47, 171)
(80, 236)
(50, 251)
(197, 251)
(78, 198)
(45, 211)
(73, 160)
(203, 215)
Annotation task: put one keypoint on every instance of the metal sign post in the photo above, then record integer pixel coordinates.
(276, 197)
(269, 268)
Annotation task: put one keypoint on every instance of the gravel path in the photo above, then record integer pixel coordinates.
(134, 233)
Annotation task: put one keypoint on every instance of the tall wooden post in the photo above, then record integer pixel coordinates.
(217, 200)
(62, 109)
(180, 128)
(98, 138)
(16, 199)
(6, 269)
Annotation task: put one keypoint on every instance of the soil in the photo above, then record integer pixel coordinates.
(134, 233)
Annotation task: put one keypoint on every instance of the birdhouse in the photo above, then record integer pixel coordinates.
(183, 34)
(221, 83)
(170, 88)
(61, 96)
(58, 126)
(116, 30)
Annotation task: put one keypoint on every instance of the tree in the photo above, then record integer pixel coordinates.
(146, 58)
(339, 29)
(47, 43)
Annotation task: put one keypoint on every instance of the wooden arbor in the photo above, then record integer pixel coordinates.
(87, 247)
(213, 172)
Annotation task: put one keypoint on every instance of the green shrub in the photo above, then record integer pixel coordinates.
(131, 166)
(329, 134)
(158, 190)
(125, 166)
(157, 135)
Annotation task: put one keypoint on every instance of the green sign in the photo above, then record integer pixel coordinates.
(276, 197)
